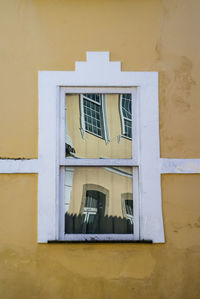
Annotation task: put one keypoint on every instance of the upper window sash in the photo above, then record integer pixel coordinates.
(63, 135)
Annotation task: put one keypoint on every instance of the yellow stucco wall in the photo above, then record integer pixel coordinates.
(158, 35)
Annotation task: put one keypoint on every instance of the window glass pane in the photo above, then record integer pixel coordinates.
(126, 105)
(99, 126)
(98, 200)
(128, 128)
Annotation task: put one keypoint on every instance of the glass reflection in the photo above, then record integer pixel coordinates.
(98, 126)
(98, 200)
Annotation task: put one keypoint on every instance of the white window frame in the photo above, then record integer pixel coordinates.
(98, 71)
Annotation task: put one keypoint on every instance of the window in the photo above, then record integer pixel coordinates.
(126, 115)
(93, 209)
(127, 208)
(66, 166)
(93, 115)
(95, 212)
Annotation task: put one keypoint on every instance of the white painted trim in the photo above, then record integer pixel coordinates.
(19, 166)
(97, 89)
(136, 204)
(179, 166)
(170, 166)
(167, 165)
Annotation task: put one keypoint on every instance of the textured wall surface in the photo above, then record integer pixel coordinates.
(157, 35)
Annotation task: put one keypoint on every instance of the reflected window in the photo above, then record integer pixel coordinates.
(93, 127)
(126, 115)
(127, 209)
(92, 110)
(93, 207)
(93, 211)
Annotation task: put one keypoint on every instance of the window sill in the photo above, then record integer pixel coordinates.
(100, 241)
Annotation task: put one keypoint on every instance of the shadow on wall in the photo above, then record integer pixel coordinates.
(77, 224)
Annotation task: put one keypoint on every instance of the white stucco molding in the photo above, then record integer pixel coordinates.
(167, 165)
(19, 166)
(179, 166)
(99, 71)
(100, 61)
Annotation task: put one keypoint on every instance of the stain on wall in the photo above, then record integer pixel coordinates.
(179, 74)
